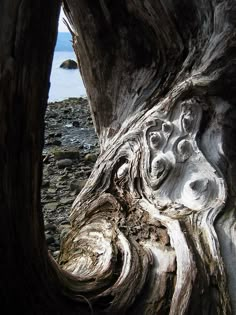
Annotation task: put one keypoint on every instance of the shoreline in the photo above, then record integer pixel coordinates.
(70, 151)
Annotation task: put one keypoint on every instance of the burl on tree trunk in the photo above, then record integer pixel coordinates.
(153, 231)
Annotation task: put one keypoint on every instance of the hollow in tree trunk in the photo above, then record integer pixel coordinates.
(153, 231)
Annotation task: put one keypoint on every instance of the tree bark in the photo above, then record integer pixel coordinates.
(153, 231)
(29, 279)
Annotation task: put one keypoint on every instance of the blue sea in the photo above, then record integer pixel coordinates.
(64, 83)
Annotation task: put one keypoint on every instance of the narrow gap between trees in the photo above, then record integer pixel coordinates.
(70, 148)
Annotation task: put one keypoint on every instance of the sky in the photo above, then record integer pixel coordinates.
(61, 26)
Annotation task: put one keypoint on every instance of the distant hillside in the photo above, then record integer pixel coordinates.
(63, 42)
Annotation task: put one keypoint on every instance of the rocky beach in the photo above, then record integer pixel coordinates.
(70, 151)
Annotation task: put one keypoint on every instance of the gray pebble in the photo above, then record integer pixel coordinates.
(64, 163)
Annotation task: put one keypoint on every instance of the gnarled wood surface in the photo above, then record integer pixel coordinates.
(148, 229)
(153, 231)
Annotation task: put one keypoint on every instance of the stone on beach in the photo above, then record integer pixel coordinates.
(64, 163)
(69, 64)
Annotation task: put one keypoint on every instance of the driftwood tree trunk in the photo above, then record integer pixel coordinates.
(154, 228)
(29, 279)
(153, 231)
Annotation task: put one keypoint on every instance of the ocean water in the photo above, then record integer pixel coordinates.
(64, 83)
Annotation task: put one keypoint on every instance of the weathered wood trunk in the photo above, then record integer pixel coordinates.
(154, 228)
(153, 231)
(29, 281)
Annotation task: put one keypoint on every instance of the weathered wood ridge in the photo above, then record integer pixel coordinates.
(153, 231)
